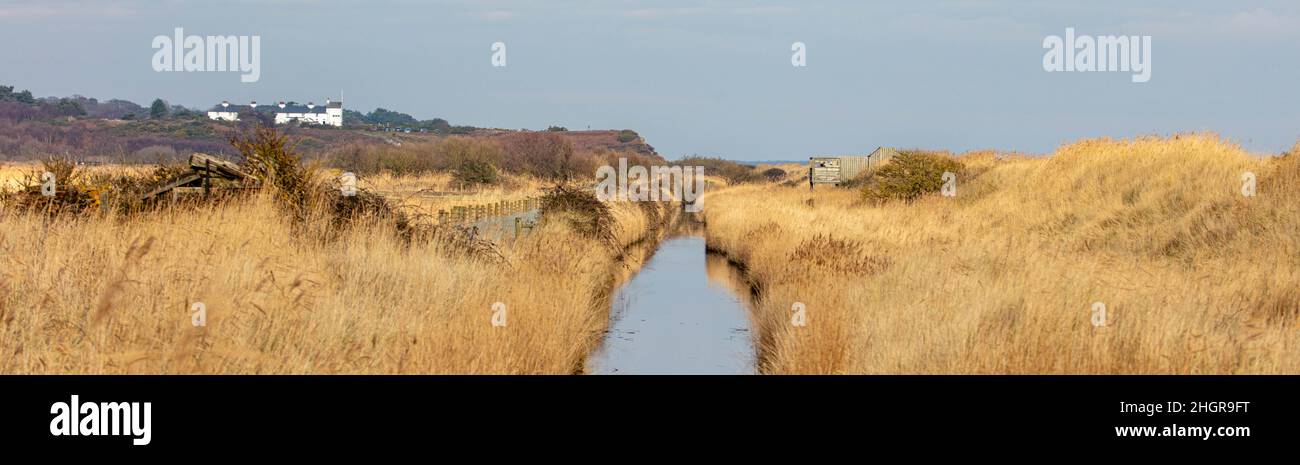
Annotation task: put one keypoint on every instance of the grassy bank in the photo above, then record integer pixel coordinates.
(1004, 277)
(104, 293)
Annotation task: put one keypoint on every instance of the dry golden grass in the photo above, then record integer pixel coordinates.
(12, 174)
(1195, 277)
(429, 192)
(113, 295)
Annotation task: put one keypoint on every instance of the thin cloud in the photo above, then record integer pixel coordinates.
(495, 15)
(1259, 24)
(706, 10)
(63, 9)
(1262, 23)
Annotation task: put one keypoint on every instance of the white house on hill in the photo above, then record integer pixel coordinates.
(331, 113)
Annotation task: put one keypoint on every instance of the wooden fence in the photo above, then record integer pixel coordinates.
(474, 213)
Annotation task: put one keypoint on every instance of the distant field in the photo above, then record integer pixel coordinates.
(12, 173)
(427, 193)
(146, 141)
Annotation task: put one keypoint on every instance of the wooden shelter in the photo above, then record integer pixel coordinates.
(840, 169)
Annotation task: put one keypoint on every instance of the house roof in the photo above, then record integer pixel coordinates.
(297, 109)
(884, 151)
(275, 108)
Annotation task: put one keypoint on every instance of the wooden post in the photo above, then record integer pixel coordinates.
(442, 216)
(207, 174)
(519, 225)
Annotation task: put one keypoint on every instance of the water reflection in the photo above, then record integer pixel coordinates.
(684, 312)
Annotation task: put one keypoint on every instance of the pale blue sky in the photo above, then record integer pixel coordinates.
(710, 77)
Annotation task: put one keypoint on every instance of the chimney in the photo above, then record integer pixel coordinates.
(311, 105)
(225, 103)
(282, 104)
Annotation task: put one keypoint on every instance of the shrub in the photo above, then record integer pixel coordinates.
(409, 158)
(471, 161)
(542, 154)
(156, 152)
(774, 174)
(70, 194)
(908, 176)
(586, 214)
(271, 159)
(734, 173)
(471, 171)
(628, 135)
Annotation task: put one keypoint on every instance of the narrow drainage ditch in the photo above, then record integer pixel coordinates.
(686, 311)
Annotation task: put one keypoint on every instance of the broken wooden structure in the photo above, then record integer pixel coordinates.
(203, 170)
(841, 169)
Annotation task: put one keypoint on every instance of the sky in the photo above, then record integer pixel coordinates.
(710, 78)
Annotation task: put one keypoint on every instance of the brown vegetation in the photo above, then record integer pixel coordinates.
(301, 279)
(1003, 277)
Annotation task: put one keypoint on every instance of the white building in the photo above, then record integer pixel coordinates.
(331, 113)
